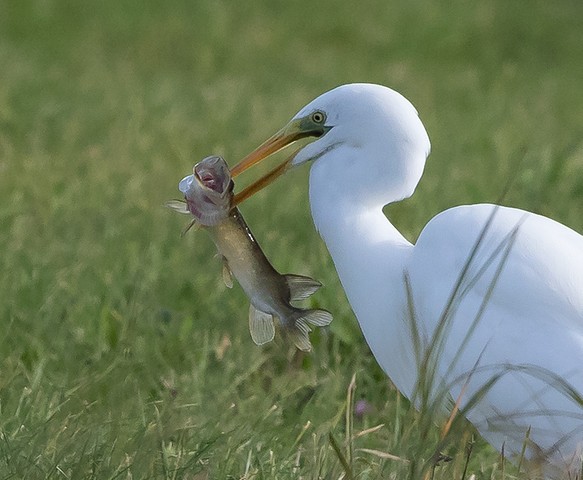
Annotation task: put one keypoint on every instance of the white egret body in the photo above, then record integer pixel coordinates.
(518, 312)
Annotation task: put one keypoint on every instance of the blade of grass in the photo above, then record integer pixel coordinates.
(341, 457)
(349, 417)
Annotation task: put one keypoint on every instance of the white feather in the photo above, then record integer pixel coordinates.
(532, 321)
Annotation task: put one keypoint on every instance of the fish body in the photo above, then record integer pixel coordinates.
(208, 193)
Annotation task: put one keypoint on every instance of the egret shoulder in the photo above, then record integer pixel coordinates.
(540, 261)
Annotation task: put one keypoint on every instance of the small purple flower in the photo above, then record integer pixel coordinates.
(361, 408)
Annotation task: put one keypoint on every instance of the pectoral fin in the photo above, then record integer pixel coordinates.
(227, 274)
(301, 287)
(194, 224)
(261, 326)
(178, 206)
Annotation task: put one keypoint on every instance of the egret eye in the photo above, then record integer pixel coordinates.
(318, 117)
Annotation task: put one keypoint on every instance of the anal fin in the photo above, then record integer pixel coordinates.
(260, 326)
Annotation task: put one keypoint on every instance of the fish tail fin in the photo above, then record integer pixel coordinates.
(260, 326)
(301, 287)
(300, 326)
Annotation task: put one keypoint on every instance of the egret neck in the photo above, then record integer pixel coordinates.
(370, 256)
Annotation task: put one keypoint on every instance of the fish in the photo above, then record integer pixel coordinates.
(208, 194)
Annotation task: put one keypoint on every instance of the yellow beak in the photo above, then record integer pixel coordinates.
(286, 136)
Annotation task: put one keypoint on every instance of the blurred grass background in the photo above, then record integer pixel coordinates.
(122, 355)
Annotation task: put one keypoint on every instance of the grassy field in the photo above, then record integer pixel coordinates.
(121, 354)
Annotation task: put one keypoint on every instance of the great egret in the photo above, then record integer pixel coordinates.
(504, 287)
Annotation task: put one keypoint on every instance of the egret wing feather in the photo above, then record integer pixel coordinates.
(535, 300)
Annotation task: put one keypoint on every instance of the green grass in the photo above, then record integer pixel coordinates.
(122, 355)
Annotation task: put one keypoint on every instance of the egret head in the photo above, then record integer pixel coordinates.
(367, 140)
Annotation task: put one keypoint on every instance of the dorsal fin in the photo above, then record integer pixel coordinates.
(301, 287)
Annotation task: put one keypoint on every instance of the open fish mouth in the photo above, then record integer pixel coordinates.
(209, 181)
(213, 174)
(208, 191)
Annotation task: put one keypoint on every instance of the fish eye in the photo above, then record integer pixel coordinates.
(318, 117)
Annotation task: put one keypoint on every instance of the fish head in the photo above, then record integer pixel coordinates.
(212, 173)
(209, 190)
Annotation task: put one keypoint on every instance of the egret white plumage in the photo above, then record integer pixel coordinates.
(508, 283)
